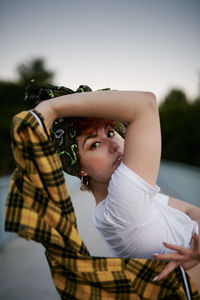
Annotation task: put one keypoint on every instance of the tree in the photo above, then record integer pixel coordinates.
(180, 129)
(34, 69)
(12, 102)
(175, 98)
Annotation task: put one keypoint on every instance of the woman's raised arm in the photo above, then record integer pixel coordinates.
(118, 105)
(138, 109)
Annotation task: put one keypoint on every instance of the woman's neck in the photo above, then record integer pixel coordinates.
(99, 190)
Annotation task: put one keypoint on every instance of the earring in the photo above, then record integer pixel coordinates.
(84, 183)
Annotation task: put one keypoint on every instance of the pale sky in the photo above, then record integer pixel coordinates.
(122, 44)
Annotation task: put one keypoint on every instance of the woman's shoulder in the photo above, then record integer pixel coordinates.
(124, 177)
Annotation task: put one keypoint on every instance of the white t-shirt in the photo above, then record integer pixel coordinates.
(135, 219)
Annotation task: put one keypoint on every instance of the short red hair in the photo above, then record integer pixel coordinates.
(90, 125)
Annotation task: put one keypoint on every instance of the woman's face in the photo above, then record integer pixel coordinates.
(100, 153)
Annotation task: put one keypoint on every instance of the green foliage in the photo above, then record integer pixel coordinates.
(12, 102)
(179, 118)
(175, 98)
(34, 69)
(11, 93)
(180, 128)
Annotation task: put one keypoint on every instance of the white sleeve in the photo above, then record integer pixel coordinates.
(130, 199)
(37, 118)
(162, 198)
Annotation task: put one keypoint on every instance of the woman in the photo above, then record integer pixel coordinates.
(122, 174)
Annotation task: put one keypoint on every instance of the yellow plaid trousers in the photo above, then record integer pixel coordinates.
(39, 207)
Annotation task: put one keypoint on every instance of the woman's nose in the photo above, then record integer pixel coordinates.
(113, 147)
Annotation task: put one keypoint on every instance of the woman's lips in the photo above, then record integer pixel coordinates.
(118, 160)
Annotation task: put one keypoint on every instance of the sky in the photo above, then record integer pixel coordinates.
(149, 45)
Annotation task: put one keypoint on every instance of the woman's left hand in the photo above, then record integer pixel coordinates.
(185, 257)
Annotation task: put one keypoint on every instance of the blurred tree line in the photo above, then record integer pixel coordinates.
(12, 102)
(180, 128)
(179, 117)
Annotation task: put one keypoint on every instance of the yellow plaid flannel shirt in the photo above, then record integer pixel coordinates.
(39, 208)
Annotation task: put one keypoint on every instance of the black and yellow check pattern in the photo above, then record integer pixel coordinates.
(39, 208)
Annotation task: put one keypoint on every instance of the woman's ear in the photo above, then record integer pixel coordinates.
(83, 173)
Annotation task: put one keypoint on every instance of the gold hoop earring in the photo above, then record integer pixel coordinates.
(84, 183)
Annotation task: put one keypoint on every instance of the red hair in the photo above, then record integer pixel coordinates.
(90, 125)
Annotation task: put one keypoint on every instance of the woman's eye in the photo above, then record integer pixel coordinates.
(110, 133)
(94, 145)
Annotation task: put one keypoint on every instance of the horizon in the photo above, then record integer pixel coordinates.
(125, 45)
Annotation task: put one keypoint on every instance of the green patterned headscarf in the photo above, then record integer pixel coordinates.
(63, 131)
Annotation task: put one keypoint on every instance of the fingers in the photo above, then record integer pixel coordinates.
(166, 271)
(185, 257)
(190, 264)
(183, 250)
(178, 248)
(168, 256)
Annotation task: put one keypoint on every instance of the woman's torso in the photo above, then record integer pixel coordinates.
(135, 219)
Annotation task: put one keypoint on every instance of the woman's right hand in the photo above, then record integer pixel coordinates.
(185, 257)
(47, 111)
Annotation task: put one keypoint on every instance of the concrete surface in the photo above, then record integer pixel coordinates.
(24, 271)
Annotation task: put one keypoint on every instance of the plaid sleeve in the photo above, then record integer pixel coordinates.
(39, 208)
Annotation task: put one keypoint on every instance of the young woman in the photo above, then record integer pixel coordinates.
(132, 216)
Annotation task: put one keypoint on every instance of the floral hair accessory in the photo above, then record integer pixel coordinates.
(63, 131)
